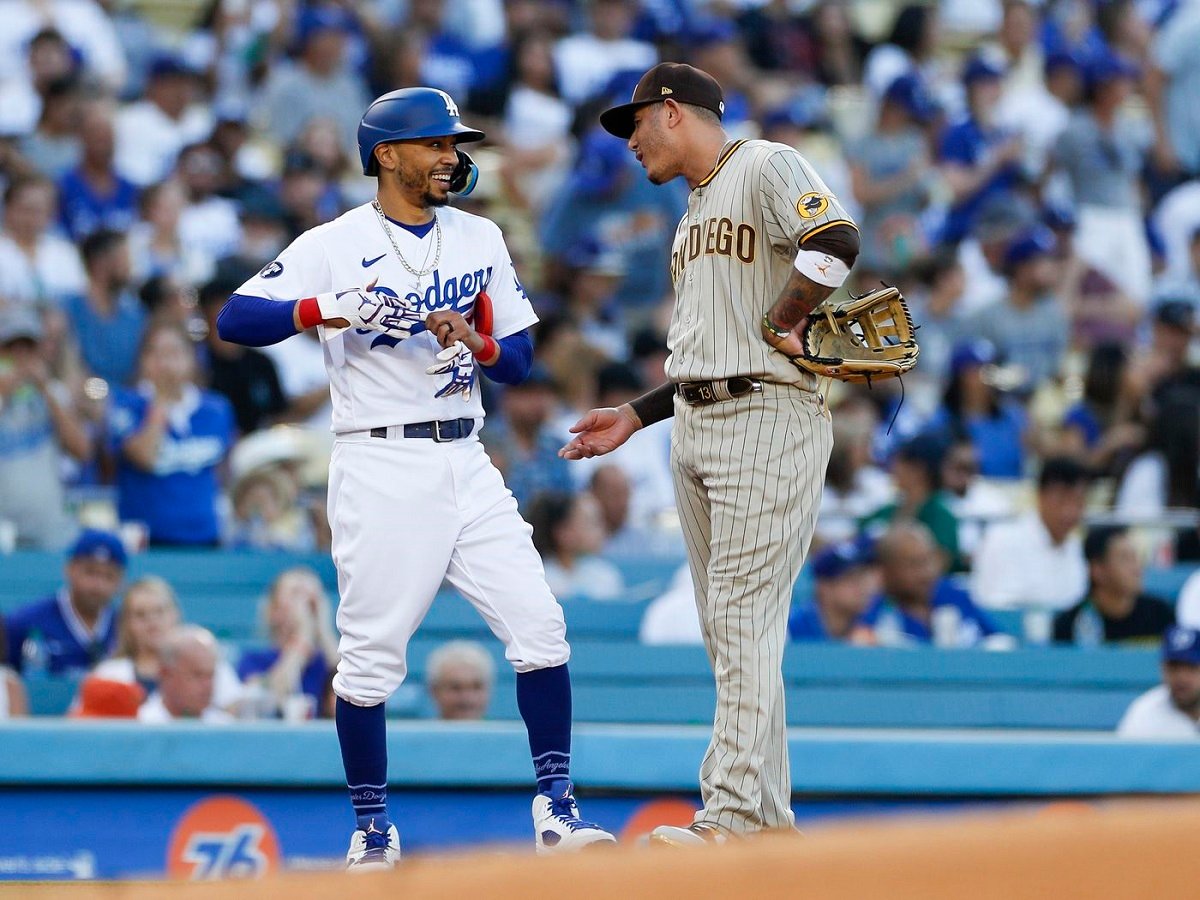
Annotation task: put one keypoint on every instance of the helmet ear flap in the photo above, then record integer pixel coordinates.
(465, 175)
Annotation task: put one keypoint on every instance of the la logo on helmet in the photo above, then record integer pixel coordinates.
(451, 106)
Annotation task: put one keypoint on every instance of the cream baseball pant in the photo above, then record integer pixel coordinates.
(407, 513)
(748, 478)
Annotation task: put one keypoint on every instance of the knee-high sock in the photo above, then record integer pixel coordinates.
(544, 699)
(362, 733)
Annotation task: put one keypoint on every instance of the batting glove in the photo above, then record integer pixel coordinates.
(459, 363)
(372, 310)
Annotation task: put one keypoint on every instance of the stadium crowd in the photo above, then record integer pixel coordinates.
(1027, 172)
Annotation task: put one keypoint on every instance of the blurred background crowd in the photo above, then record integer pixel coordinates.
(1027, 172)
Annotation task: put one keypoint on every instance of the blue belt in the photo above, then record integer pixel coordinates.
(449, 430)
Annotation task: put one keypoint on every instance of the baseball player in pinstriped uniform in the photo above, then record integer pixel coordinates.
(413, 497)
(763, 242)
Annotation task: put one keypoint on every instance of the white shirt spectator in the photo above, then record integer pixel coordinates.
(212, 226)
(1143, 488)
(55, 273)
(155, 712)
(20, 106)
(1153, 715)
(672, 617)
(84, 24)
(1177, 218)
(227, 688)
(1187, 607)
(585, 63)
(300, 364)
(148, 140)
(983, 287)
(592, 578)
(840, 511)
(1018, 566)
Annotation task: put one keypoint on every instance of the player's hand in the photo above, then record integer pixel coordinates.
(370, 309)
(792, 345)
(458, 362)
(450, 327)
(601, 431)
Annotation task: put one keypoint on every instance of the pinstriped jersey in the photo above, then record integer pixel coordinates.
(732, 255)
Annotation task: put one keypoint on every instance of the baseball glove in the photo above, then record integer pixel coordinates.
(860, 338)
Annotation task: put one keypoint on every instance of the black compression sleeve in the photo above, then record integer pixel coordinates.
(840, 240)
(655, 405)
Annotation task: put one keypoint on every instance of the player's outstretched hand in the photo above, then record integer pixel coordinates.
(601, 431)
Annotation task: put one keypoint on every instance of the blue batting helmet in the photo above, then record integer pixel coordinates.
(406, 114)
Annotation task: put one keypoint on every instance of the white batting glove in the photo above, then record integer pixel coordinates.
(459, 363)
(371, 309)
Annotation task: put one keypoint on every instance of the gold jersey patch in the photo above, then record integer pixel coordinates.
(812, 205)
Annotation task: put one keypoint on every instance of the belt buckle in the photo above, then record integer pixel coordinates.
(437, 433)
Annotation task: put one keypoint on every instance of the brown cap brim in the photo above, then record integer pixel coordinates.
(618, 121)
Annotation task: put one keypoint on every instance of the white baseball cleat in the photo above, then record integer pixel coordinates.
(372, 849)
(698, 834)
(557, 827)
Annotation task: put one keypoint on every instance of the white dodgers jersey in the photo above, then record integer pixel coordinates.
(376, 380)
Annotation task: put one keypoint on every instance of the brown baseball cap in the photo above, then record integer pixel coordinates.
(678, 81)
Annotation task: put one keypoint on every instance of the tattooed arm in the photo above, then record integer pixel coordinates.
(799, 297)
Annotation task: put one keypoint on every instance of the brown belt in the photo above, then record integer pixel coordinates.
(702, 393)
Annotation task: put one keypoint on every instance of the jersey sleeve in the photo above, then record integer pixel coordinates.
(796, 202)
(301, 270)
(511, 309)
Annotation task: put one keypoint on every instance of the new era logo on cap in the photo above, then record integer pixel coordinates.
(678, 81)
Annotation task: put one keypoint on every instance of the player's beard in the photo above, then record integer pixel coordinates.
(411, 181)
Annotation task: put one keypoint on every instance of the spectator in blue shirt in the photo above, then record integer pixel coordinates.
(980, 160)
(607, 200)
(972, 406)
(844, 581)
(92, 195)
(523, 447)
(919, 605)
(169, 437)
(75, 628)
(303, 651)
(108, 320)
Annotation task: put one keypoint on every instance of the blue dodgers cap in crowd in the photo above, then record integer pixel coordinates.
(1107, 66)
(909, 93)
(1034, 242)
(807, 108)
(1181, 644)
(601, 160)
(980, 68)
(315, 19)
(979, 352)
(166, 65)
(837, 559)
(99, 545)
(1062, 59)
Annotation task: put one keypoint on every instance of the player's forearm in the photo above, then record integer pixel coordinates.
(655, 405)
(513, 362)
(799, 297)
(256, 321)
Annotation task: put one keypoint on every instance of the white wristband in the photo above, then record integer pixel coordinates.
(821, 268)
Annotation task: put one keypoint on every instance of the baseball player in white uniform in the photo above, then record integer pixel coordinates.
(412, 298)
(763, 242)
